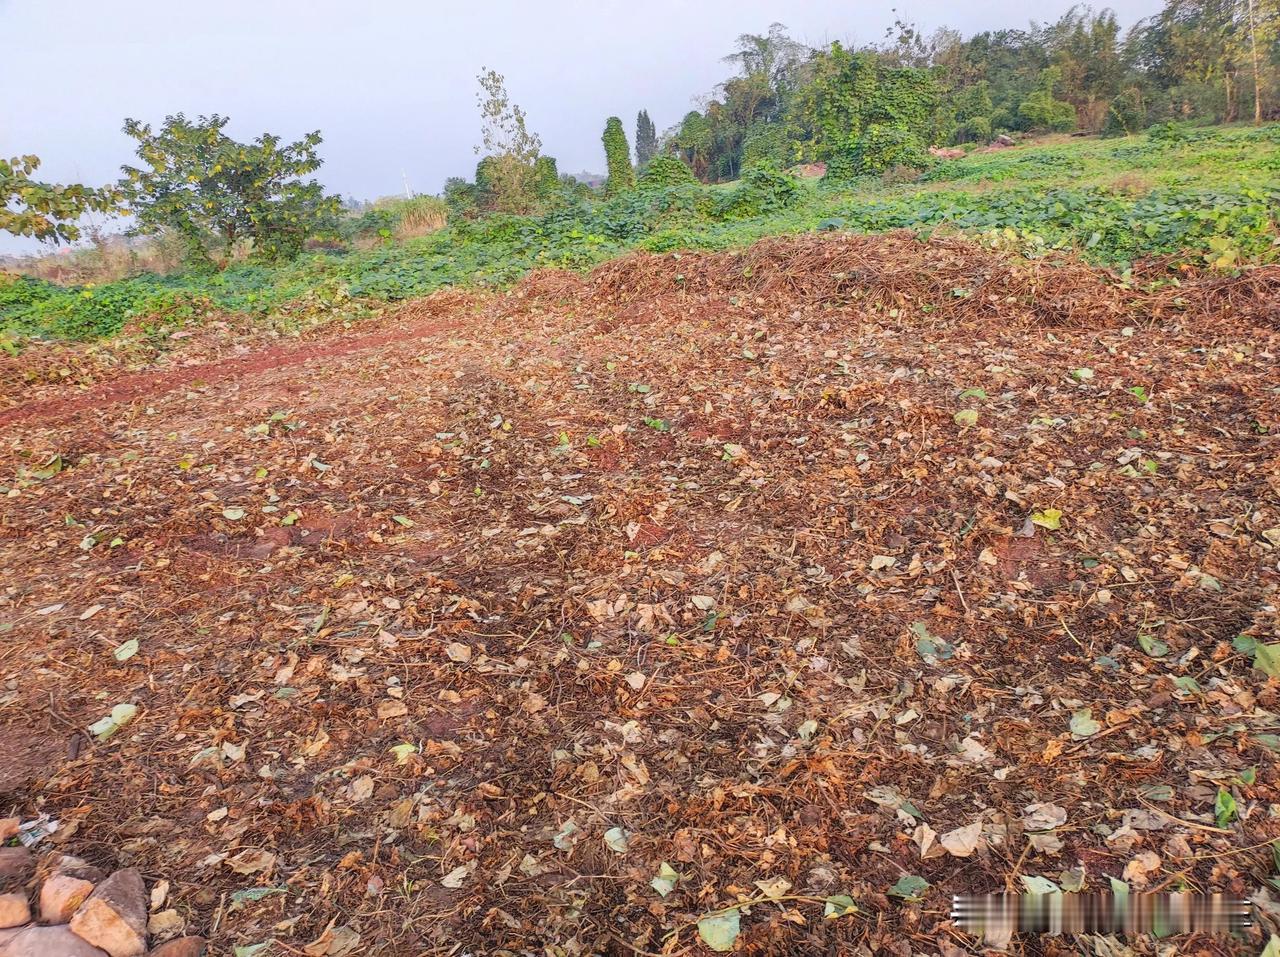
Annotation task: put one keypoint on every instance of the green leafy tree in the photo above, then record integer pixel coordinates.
(617, 154)
(1042, 111)
(198, 183)
(850, 92)
(646, 140)
(511, 150)
(45, 211)
(693, 142)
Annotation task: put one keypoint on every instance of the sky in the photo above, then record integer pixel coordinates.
(391, 83)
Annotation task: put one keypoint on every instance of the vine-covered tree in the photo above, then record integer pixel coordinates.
(212, 191)
(510, 149)
(646, 140)
(45, 211)
(617, 155)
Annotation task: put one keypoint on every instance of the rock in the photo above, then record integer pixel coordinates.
(114, 917)
(9, 827)
(14, 910)
(182, 947)
(56, 863)
(1003, 140)
(57, 941)
(61, 896)
(165, 924)
(16, 865)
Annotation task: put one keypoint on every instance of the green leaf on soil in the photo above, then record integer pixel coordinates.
(909, 887)
(1050, 518)
(1039, 885)
(1082, 723)
(1266, 658)
(1224, 808)
(719, 931)
(1153, 646)
(838, 905)
(665, 882)
(126, 650)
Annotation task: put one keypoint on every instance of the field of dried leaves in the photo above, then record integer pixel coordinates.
(819, 581)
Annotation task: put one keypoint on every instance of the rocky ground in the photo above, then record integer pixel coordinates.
(58, 905)
(758, 600)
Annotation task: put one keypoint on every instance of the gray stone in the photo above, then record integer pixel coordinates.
(56, 941)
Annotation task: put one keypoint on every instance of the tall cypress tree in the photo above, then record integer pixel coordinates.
(646, 139)
(617, 155)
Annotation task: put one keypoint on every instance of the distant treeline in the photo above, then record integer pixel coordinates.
(1209, 61)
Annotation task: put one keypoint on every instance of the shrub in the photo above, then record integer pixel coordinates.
(460, 197)
(759, 191)
(666, 171)
(881, 148)
(765, 144)
(214, 192)
(417, 216)
(1126, 115)
(1168, 134)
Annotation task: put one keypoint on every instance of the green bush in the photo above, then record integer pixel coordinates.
(759, 191)
(765, 144)
(881, 148)
(665, 171)
(1169, 133)
(1126, 115)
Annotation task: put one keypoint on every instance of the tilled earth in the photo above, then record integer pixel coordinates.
(774, 576)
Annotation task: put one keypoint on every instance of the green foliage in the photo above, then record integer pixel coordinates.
(42, 210)
(199, 183)
(1169, 133)
(972, 110)
(1126, 115)
(760, 191)
(1211, 200)
(882, 148)
(664, 172)
(622, 176)
(765, 144)
(646, 140)
(693, 142)
(1040, 111)
(508, 179)
(852, 92)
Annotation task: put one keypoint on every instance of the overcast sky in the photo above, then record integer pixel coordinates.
(391, 83)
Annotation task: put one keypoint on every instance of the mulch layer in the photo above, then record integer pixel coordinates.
(778, 576)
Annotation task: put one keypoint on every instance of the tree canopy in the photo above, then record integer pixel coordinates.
(213, 191)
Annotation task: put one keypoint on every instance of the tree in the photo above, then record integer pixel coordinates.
(617, 156)
(45, 211)
(511, 150)
(1041, 111)
(693, 142)
(213, 192)
(646, 140)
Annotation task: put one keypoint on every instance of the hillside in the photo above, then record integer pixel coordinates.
(840, 571)
(1196, 196)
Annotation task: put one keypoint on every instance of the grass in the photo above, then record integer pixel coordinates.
(1204, 196)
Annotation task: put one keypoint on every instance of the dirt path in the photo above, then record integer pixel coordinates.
(141, 385)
